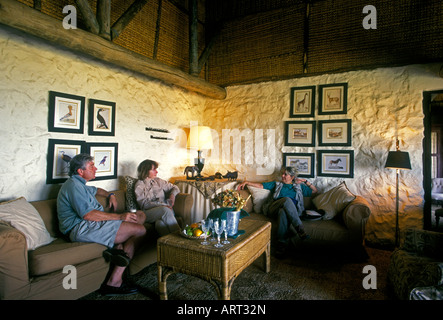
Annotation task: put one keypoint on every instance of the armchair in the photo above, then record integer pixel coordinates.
(416, 264)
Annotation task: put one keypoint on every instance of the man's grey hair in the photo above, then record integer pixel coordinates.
(79, 162)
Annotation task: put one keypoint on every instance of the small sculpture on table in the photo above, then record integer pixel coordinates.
(192, 170)
(231, 176)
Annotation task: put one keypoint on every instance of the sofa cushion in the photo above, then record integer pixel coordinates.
(60, 253)
(131, 200)
(25, 218)
(244, 193)
(259, 197)
(333, 201)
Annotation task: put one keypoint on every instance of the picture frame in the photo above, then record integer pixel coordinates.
(336, 163)
(335, 132)
(304, 162)
(302, 102)
(66, 112)
(300, 133)
(101, 117)
(333, 98)
(60, 152)
(105, 158)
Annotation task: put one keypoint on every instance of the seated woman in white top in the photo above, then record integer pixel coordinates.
(156, 198)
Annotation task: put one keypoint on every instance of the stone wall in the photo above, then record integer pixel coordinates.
(382, 103)
(31, 68)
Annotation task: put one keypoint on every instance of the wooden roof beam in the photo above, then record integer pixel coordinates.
(24, 18)
(88, 14)
(126, 17)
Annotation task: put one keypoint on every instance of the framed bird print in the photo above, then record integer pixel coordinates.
(101, 118)
(105, 158)
(66, 112)
(60, 152)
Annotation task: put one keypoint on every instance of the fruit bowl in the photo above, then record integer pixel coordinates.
(193, 232)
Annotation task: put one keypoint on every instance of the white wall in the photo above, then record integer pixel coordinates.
(382, 103)
(31, 68)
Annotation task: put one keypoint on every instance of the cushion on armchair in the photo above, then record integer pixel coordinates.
(424, 243)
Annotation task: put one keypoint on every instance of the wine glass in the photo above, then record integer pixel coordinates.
(218, 229)
(204, 226)
(225, 230)
(211, 227)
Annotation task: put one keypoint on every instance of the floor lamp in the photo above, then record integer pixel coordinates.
(400, 161)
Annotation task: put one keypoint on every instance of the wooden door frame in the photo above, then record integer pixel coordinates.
(427, 181)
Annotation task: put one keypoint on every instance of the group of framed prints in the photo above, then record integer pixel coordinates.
(331, 163)
(67, 114)
(332, 100)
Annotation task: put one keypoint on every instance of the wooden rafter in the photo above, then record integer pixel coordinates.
(21, 17)
(88, 14)
(126, 17)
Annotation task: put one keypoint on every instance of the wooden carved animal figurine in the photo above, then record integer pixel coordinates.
(218, 175)
(192, 170)
(231, 176)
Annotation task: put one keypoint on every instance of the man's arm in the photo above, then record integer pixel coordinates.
(96, 215)
(112, 200)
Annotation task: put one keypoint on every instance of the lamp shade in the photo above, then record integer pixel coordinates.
(398, 160)
(200, 137)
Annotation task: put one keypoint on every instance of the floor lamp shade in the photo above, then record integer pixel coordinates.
(398, 160)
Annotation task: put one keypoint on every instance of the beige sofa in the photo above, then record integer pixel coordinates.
(345, 229)
(38, 274)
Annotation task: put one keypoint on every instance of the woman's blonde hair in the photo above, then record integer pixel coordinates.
(144, 167)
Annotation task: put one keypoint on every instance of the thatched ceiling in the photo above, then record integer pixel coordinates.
(245, 41)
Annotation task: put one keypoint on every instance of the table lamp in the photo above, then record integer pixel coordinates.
(200, 138)
(400, 161)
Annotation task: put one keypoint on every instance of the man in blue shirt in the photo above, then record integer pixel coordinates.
(286, 204)
(83, 219)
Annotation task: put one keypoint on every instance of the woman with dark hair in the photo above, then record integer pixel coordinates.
(156, 197)
(286, 204)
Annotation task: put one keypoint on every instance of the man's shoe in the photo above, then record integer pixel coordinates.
(116, 256)
(123, 290)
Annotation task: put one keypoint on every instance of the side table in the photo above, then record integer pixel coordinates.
(202, 192)
(218, 266)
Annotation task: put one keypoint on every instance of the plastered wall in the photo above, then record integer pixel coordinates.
(383, 104)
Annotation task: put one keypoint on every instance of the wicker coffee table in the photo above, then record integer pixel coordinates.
(218, 266)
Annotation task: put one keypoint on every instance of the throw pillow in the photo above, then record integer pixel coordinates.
(22, 215)
(333, 201)
(259, 197)
(131, 201)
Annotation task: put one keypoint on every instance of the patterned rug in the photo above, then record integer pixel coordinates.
(305, 275)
